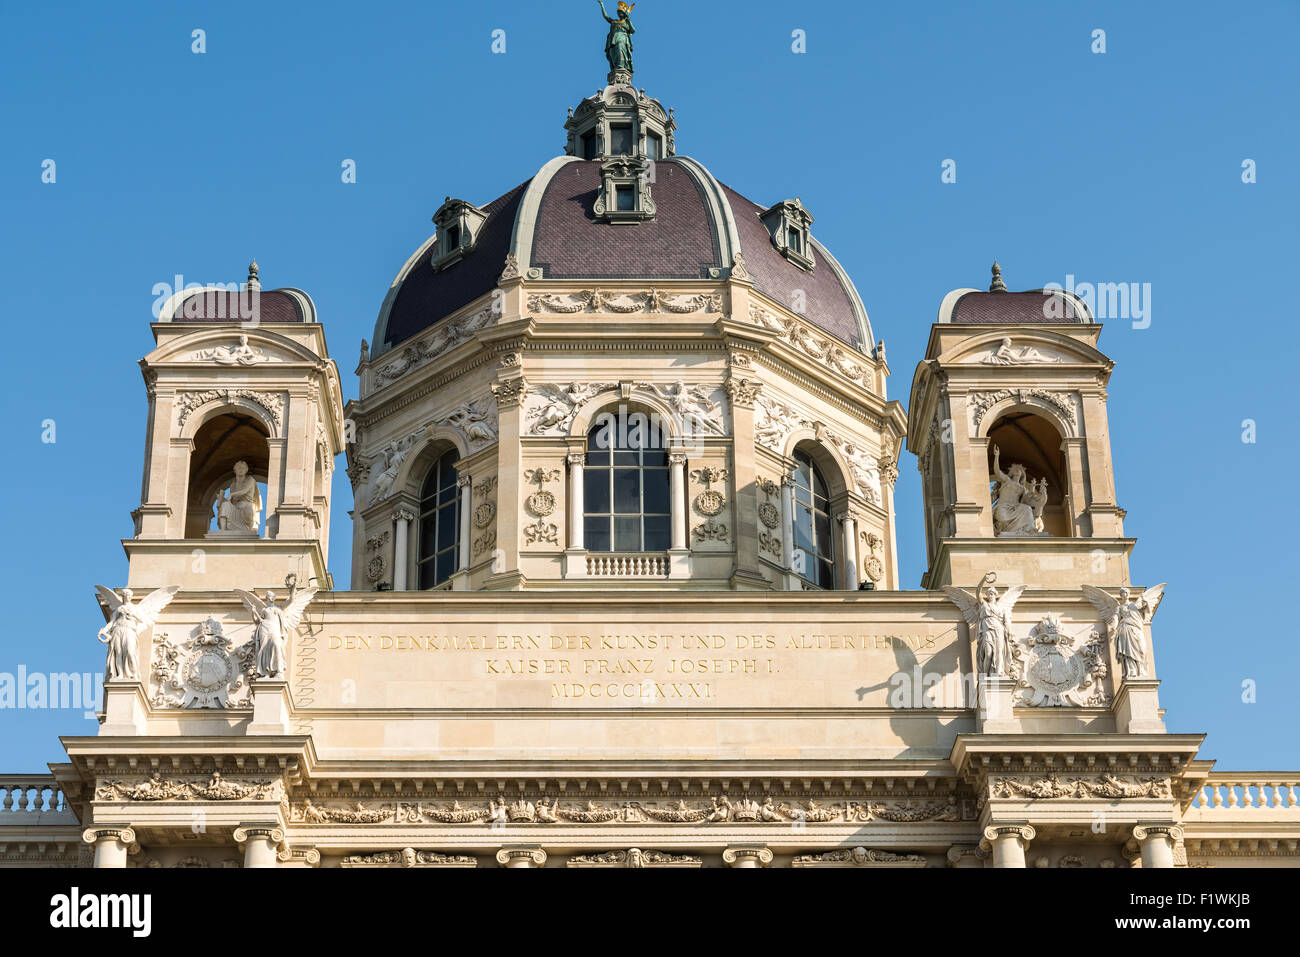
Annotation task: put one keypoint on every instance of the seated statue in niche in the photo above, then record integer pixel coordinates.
(240, 506)
(1018, 510)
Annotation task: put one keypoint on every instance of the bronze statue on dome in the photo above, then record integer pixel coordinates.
(618, 45)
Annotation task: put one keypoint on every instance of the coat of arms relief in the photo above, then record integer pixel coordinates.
(204, 671)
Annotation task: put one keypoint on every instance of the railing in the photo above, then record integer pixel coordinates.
(1260, 790)
(627, 565)
(31, 793)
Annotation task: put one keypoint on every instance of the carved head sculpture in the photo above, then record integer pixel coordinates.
(624, 8)
(991, 595)
(126, 595)
(243, 340)
(859, 855)
(1123, 595)
(1017, 472)
(1006, 342)
(269, 597)
(408, 857)
(241, 469)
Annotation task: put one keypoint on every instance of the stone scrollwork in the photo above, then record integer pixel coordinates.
(445, 336)
(542, 503)
(542, 533)
(203, 672)
(821, 347)
(598, 300)
(217, 788)
(1108, 786)
(872, 565)
(409, 857)
(858, 857)
(711, 531)
(710, 502)
(635, 857)
(981, 402)
(187, 402)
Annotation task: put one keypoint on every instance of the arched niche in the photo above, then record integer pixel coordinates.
(224, 438)
(436, 444)
(829, 461)
(659, 417)
(1026, 436)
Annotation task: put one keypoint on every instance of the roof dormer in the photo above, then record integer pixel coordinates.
(458, 224)
(788, 224)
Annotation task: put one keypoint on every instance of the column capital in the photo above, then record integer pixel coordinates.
(270, 832)
(403, 514)
(676, 457)
(966, 855)
(124, 834)
(521, 855)
(742, 392)
(1023, 832)
(576, 458)
(463, 481)
(1144, 832)
(747, 855)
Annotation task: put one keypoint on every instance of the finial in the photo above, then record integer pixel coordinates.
(997, 285)
(253, 281)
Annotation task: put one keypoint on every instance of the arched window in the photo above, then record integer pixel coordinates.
(625, 487)
(439, 523)
(813, 541)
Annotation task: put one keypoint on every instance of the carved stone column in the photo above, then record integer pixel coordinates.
(403, 518)
(787, 529)
(460, 581)
(1008, 842)
(575, 553)
(748, 574)
(112, 842)
(849, 574)
(747, 855)
(260, 843)
(521, 855)
(1157, 843)
(679, 555)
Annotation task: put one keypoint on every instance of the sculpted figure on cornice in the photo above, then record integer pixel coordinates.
(1125, 621)
(239, 354)
(127, 619)
(553, 413)
(274, 624)
(989, 616)
(1008, 355)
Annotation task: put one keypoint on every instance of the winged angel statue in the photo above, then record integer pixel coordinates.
(275, 623)
(126, 620)
(989, 616)
(1125, 621)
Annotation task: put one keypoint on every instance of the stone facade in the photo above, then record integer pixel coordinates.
(706, 702)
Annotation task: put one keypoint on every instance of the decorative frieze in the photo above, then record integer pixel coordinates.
(823, 348)
(188, 402)
(858, 857)
(599, 300)
(980, 402)
(1110, 786)
(217, 788)
(445, 336)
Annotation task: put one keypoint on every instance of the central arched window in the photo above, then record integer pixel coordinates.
(813, 543)
(625, 487)
(439, 523)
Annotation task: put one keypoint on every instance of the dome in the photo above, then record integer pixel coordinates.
(550, 226)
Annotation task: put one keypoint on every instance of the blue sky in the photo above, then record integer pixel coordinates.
(1124, 166)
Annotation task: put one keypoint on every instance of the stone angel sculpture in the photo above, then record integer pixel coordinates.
(1125, 623)
(126, 620)
(274, 625)
(989, 616)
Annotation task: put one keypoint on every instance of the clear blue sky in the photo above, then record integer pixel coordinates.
(1122, 166)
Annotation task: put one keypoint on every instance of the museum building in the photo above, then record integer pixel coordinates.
(624, 582)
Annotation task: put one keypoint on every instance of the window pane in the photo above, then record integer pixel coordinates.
(627, 534)
(823, 532)
(627, 491)
(589, 145)
(627, 458)
(657, 533)
(826, 577)
(803, 528)
(595, 459)
(620, 141)
(427, 579)
(656, 491)
(595, 496)
(652, 146)
(446, 565)
(625, 199)
(428, 526)
(595, 534)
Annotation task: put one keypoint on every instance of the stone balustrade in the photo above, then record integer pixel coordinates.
(1248, 791)
(30, 793)
(627, 566)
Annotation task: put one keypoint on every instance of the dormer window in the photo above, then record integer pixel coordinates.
(458, 224)
(589, 150)
(787, 223)
(654, 146)
(625, 195)
(620, 140)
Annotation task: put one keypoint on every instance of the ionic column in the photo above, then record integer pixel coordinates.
(966, 855)
(261, 842)
(576, 507)
(677, 497)
(463, 481)
(403, 517)
(1008, 843)
(850, 552)
(1157, 843)
(112, 842)
(522, 855)
(787, 523)
(747, 855)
